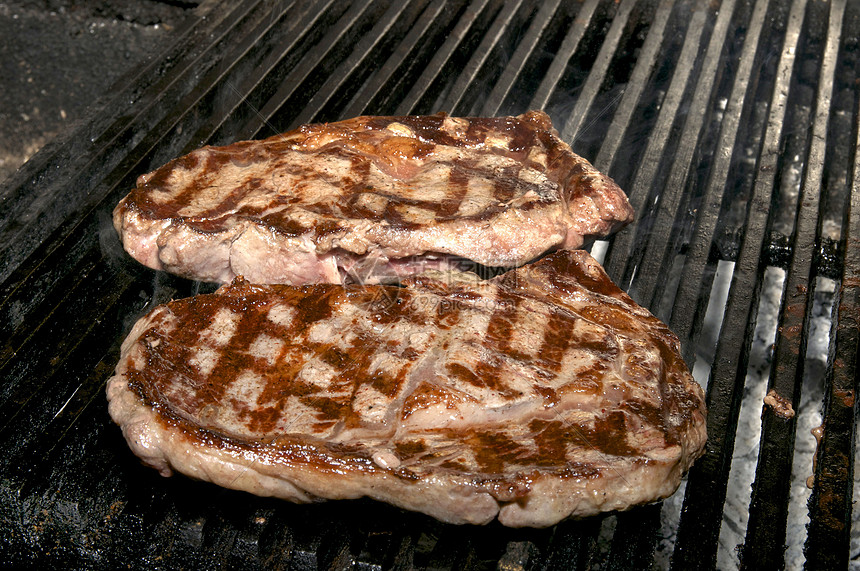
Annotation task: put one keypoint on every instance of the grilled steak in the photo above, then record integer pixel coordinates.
(369, 199)
(543, 393)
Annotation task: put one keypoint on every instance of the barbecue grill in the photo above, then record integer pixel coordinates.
(733, 128)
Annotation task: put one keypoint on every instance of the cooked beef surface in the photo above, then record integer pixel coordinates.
(369, 199)
(541, 394)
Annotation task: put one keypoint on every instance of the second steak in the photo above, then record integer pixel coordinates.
(370, 199)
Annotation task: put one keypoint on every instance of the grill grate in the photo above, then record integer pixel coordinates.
(733, 126)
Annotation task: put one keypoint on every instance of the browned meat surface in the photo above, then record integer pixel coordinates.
(369, 199)
(540, 394)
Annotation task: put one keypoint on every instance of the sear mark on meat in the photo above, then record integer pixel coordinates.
(540, 394)
(369, 199)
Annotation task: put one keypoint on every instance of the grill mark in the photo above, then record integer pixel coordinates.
(332, 409)
(550, 438)
(522, 136)
(280, 222)
(360, 169)
(605, 349)
(427, 128)
(455, 465)
(476, 132)
(349, 208)
(352, 209)
(160, 180)
(393, 217)
(610, 435)
(213, 160)
(359, 185)
(445, 317)
(361, 354)
(487, 371)
(650, 414)
(334, 357)
(354, 362)
(386, 384)
(167, 358)
(556, 341)
(215, 219)
(408, 448)
(315, 305)
(495, 451)
(620, 320)
(507, 185)
(280, 382)
(234, 360)
(458, 183)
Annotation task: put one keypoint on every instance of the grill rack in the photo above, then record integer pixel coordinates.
(733, 128)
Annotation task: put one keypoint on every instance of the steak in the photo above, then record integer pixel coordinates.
(540, 394)
(370, 199)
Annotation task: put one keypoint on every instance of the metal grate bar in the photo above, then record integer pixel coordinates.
(80, 335)
(30, 377)
(827, 545)
(453, 100)
(28, 215)
(518, 61)
(364, 49)
(657, 251)
(267, 114)
(518, 555)
(61, 328)
(71, 537)
(380, 547)
(685, 314)
(765, 539)
(215, 94)
(573, 127)
(571, 546)
(450, 550)
(26, 288)
(638, 79)
(624, 243)
(24, 477)
(238, 95)
(563, 55)
(635, 538)
(19, 329)
(83, 241)
(699, 527)
(434, 68)
(372, 89)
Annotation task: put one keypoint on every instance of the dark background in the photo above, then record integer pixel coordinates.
(57, 57)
